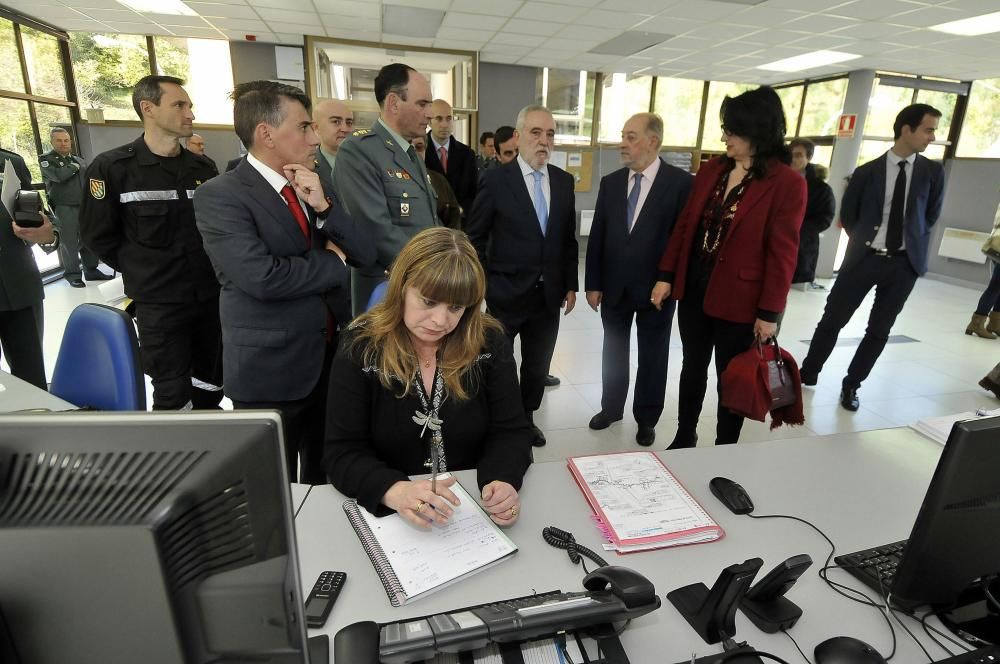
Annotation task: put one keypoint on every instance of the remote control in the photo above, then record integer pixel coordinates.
(323, 596)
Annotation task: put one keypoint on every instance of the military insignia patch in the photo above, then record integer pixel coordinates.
(361, 132)
(45, 164)
(97, 189)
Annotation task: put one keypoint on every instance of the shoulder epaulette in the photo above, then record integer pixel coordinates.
(361, 132)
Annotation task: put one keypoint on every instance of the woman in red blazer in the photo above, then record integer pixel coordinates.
(731, 256)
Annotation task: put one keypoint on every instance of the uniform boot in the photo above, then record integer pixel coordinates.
(994, 324)
(979, 328)
(989, 384)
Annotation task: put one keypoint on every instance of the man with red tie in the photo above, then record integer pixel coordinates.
(279, 246)
(450, 157)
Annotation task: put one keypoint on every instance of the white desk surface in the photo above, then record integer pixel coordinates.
(20, 395)
(862, 489)
(299, 494)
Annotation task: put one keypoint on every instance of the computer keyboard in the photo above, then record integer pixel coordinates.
(987, 655)
(876, 567)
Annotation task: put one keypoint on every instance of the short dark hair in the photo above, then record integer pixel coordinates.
(912, 116)
(502, 135)
(59, 130)
(260, 101)
(485, 135)
(148, 89)
(392, 78)
(805, 144)
(757, 116)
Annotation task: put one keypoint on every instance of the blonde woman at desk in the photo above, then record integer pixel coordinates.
(459, 403)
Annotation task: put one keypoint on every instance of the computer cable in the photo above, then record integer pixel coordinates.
(987, 580)
(892, 611)
(931, 628)
(743, 653)
(796, 644)
(561, 539)
(842, 590)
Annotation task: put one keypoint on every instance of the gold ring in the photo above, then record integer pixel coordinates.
(420, 505)
(513, 511)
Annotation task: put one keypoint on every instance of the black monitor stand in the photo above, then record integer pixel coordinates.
(972, 617)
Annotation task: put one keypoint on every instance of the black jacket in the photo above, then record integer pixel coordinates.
(820, 208)
(462, 172)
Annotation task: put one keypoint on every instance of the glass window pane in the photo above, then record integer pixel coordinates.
(106, 67)
(10, 73)
(824, 104)
(791, 101)
(41, 54)
(50, 116)
(622, 97)
(717, 91)
(885, 104)
(872, 149)
(16, 134)
(209, 87)
(822, 155)
(678, 101)
(980, 135)
(944, 102)
(569, 94)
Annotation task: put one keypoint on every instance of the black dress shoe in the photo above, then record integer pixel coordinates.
(77, 283)
(539, 440)
(808, 378)
(849, 398)
(97, 275)
(683, 439)
(645, 436)
(551, 381)
(602, 421)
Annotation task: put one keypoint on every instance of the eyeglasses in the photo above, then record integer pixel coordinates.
(725, 131)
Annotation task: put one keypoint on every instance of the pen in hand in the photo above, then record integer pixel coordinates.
(435, 467)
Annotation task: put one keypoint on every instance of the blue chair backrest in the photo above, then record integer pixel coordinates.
(378, 294)
(98, 364)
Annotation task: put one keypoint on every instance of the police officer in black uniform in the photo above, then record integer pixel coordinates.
(138, 216)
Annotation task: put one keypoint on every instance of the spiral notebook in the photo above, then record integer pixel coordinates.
(412, 562)
(638, 504)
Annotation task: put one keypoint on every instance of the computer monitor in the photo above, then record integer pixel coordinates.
(146, 537)
(955, 541)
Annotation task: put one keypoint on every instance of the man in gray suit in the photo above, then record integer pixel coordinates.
(380, 178)
(264, 229)
(334, 122)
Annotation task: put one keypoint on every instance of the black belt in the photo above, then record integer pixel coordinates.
(889, 253)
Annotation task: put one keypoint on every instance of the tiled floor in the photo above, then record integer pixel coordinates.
(935, 376)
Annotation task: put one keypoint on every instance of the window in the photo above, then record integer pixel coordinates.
(944, 102)
(622, 97)
(717, 91)
(886, 102)
(45, 72)
(10, 73)
(50, 116)
(823, 106)
(678, 102)
(17, 135)
(106, 67)
(569, 94)
(791, 102)
(208, 87)
(980, 135)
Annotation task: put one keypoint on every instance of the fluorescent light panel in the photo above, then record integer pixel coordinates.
(808, 61)
(173, 7)
(970, 27)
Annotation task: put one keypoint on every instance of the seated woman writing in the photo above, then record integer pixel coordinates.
(425, 373)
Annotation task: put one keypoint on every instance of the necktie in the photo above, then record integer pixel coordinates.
(540, 210)
(633, 200)
(411, 152)
(293, 204)
(894, 234)
(443, 156)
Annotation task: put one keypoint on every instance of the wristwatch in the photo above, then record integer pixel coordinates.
(51, 246)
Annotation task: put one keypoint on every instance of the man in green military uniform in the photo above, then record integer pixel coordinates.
(62, 172)
(381, 180)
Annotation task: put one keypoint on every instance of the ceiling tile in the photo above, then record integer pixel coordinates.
(172, 19)
(762, 16)
(974, 7)
(195, 32)
(341, 22)
(616, 20)
(503, 8)
(871, 11)
(543, 11)
(820, 23)
(808, 5)
(500, 58)
(588, 33)
(209, 9)
(638, 6)
(670, 25)
(410, 41)
(876, 31)
(441, 5)
(360, 35)
(457, 44)
(507, 39)
(139, 28)
(523, 27)
(121, 15)
(292, 5)
(927, 16)
(704, 10)
(290, 39)
(482, 36)
(237, 24)
(837, 41)
(348, 8)
(240, 35)
(475, 21)
(285, 16)
(508, 49)
(301, 28)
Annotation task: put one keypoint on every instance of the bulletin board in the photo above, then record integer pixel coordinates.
(579, 164)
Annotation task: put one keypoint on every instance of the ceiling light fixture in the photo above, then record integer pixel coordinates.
(971, 27)
(172, 7)
(808, 61)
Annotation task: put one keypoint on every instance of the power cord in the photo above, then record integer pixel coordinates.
(561, 539)
(796, 644)
(987, 580)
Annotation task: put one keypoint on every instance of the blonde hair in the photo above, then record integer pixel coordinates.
(441, 264)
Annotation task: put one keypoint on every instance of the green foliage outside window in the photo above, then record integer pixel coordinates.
(10, 73)
(106, 67)
(981, 127)
(44, 61)
(678, 102)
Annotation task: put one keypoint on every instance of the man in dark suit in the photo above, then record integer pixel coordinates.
(334, 122)
(267, 227)
(453, 159)
(888, 210)
(636, 210)
(523, 225)
(820, 208)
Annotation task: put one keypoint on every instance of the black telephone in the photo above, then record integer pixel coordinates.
(613, 594)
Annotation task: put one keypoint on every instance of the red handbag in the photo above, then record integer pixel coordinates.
(764, 379)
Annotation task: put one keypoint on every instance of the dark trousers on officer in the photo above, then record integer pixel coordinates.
(179, 342)
(702, 334)
(538, 325)
(303, 422)
(893, 278)
(653, 337)
(71, 249)
(21, 342)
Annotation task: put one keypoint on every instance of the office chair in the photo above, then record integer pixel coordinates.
(377, 295)
(98, 364)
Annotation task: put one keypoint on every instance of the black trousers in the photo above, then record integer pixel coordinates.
(653, 336)
(21, 340)
(179, 342)
(538, 326)
(303, 423)
(71, 249)
(990, 300)
(893, 278)
(701, 335)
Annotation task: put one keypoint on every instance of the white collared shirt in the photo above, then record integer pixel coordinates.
(648, 175)
(438, 146)
(529, 181)
(891, 172)
(278, 181)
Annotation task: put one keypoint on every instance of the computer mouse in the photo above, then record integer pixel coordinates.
(731, 494)
(846, 650)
